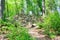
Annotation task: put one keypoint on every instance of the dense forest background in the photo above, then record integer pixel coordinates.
(34, 8)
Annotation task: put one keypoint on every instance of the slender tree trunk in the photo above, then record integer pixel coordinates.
(43, 7)
(2, 7)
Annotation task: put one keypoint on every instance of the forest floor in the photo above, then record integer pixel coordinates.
(39, 34)
(36, 33)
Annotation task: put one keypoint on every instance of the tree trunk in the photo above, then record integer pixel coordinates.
(2, 7)
(43, 7)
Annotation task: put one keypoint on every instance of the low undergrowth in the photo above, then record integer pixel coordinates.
(51, 24)
(14, 31)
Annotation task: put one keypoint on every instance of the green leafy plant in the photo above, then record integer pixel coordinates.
(52, 24)
(15, 31)
(40, 25)
(19, 34)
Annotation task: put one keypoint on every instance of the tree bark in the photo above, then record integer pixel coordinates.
(43, 7)
(2, 6)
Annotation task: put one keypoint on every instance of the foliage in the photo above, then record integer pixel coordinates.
(14, 32)
(52, 24)
(19, 33)
(40, 25)
(13, 7)
(51, 6)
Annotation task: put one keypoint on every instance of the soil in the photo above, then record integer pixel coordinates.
(39, 35)
(36, 33)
